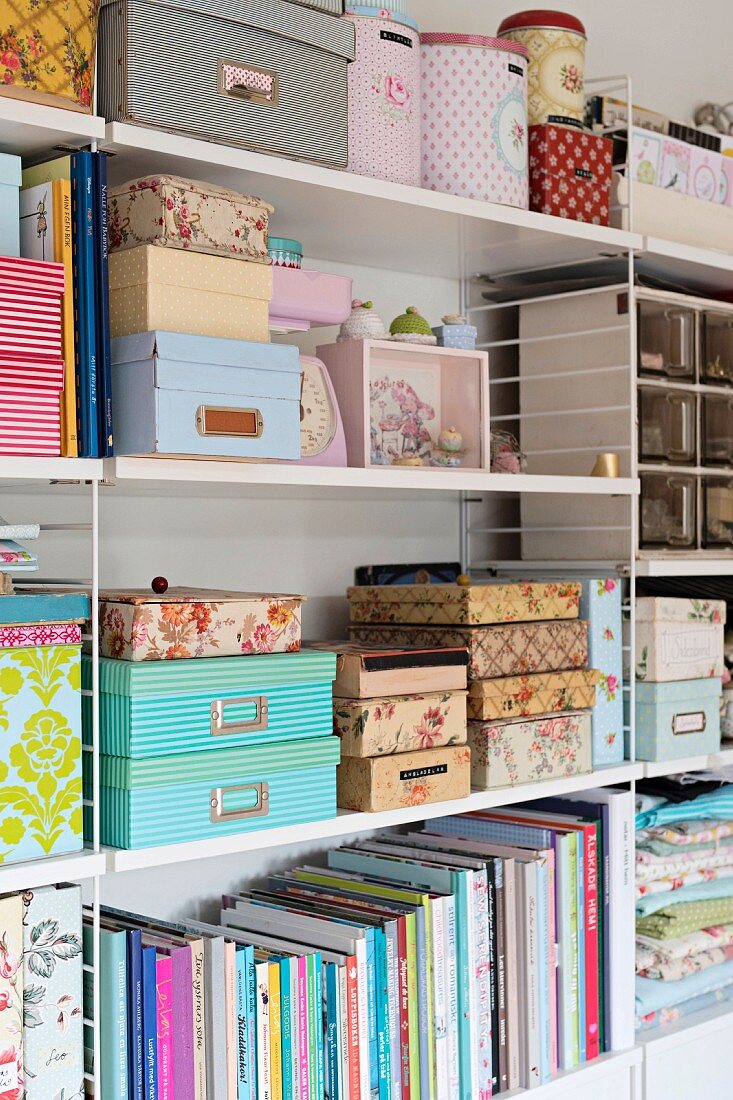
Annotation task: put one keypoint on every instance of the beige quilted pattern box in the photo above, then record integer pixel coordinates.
(179, 291)
(465, 605)
(527, 696)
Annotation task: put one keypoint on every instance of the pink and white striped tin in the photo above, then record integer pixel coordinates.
(474, 117)
(30, 422)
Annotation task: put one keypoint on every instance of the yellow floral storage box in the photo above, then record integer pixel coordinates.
(47, 51)
(528, 696)
(173, 290)
(181, 213)
(466, 605)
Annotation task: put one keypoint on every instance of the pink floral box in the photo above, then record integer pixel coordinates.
(400, 723)
(189, 622)
(505, 754)
(39, 634)
(408, 779)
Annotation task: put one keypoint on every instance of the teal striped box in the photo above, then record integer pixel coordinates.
(152, 709)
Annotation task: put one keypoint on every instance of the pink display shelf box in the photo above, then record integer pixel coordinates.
(303, 298)
(395, 398)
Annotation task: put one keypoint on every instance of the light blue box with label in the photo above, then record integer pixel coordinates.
(600, 605)
(677, 719)
(10, 180)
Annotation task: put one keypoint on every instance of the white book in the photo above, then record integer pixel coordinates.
(262, 1001)
(440, 1003)
(450, 963)
(511, 964)
(529, 986)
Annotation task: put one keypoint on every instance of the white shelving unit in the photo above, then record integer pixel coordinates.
(31, 129)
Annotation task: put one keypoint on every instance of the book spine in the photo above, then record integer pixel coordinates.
(510, 932)
(371, 977)
(413, 1013)
(63, 253)
(183, 1067)
(574, 1015)
(318, 1023)
(429, 1077)
(606, 922)
(198, 1018)
(467, 950)
(440, 1029)
(501, 994)
(80, 355)
(622, 919)
(113, 1016)
(451, 986)
(231, 1019)
(404, 1010)
(592, 1023)
(352, 994)
(380, 956)
(344, 1033)
(295, 1023)
(275, 1033)
(422, 1001)
(135, 1018)
(580, 844)
(481, 1006)
(313, 1028)
(330, 1017)
(493, 977)
(543, 1007)
(251, 1021)
(286, 1029)
(262, 979)
(243, 1092)
(533, 1038)
(104, 357)
(393, 979)
(86, 301)
(552, 956)
(150, 1023)
(164, 992)
(303, 1028)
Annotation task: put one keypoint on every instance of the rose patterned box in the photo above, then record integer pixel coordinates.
(40, 764)
(151, 708)
(677, 719)
(678, 639)
(600, 604)
(570, 173)
(366, 672)
(528, 696)
(182, 291)
(509, 649)
(189, 622)
(505, 754)
(466, 605)
(400, 723)
(408, 779)
(48, 52)
(181, 213)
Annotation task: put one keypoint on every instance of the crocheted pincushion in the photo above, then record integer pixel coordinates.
(363, 323)
(411, 328)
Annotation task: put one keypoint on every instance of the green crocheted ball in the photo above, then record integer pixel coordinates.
(410, 322)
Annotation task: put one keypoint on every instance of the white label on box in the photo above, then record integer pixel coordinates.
(8, 1076)
(679, 647)
(694, 722)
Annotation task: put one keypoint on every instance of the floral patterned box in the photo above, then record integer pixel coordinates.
(47, 52)
(400, 723)
(600, 604)
(678, 639)
(505, 754)
(189, 622)
(408, 779)
(507, 649)
(40, 762)
(527, 696)
(181, 213)
(469, 605)
(183, 291)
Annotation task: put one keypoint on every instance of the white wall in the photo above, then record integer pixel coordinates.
(677, 53)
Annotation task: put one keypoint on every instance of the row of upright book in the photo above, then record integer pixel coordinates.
(485, 953)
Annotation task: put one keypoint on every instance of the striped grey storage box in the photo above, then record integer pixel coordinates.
(266, 74)
(333, 7)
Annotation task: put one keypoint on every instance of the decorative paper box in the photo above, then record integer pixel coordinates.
(179, 394)
(53, 1035)
(30, 309)
(705, 170)
(407, 779)
(469, 605)
(48, 52)
(570, 173)
(726, 181)
(505, 754)
(366, 672)
(166, 288)
(396, 397)
(678, 639)
(674, 172)
(217, 793)
(43, 606)
(303, 298)
(600, 604)
(456, 336)
(40, 770)
(527, 696)
(40, 634)
(400, 723)
(30, 417)
(181, 213)
(189, 622)
(10, 180)
(511, 649)
(272, 77)
(677, 719)
(158, 708)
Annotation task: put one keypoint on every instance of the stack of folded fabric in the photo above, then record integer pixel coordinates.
(684, 896)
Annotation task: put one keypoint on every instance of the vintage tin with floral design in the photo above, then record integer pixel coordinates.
(404, 779)
(400, 723)
(384, 99)
(555, 42)
(469, 605)
(529, 696)
(480, 150)
(504, 754)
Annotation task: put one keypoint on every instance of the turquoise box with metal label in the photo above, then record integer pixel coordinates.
(677, 719)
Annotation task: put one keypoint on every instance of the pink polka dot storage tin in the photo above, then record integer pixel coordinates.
(474, 117)
(384, 97)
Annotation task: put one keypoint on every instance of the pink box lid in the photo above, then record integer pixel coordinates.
(437, 38)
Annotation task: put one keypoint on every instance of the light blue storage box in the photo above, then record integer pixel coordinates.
(209, 704)
(10, 180)
(180, 394)
(600, 604)
(677, 719)
(462, 337)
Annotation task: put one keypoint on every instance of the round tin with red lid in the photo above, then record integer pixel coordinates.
(556, 44)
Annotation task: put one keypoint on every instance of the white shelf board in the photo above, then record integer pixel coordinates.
(697, 269)
(582, 1076)
(29, 129)
(19, 468)
(705, 564)
(44, 872)
(349, 821)
(391, 478)
(344, 217)
(688, 1030)
(721, 759)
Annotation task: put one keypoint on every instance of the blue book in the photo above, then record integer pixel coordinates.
(82, 187)
(113, 1015)
(135, 1013)
(243, 1092)
(385, 1090)
(491, 830)
(251, 1021)
(333, 1053)
(101, 283)
(150, 1022)
(320, 1037)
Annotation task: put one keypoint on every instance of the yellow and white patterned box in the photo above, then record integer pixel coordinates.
(47, 51)
(469, 605)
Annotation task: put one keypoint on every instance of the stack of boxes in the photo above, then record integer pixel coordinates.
(401, 718)
(679, 665)
(528, 659)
